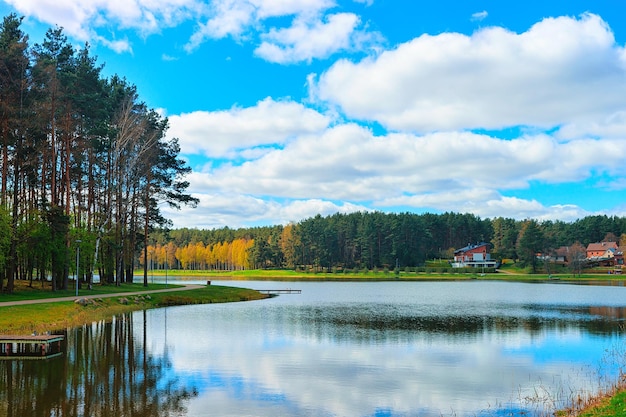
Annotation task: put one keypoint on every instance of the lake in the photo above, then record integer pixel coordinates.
(466, 348)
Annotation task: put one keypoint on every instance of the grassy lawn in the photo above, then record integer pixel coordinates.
(25, 319)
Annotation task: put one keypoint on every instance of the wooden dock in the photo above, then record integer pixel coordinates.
(43, 346)
(287, 291)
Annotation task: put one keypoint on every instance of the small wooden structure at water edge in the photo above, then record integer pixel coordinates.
(274, 292)
(35, 346)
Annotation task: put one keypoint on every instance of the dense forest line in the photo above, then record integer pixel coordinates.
(84, 164)
(368, 240)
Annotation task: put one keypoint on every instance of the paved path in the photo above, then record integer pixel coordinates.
(120, 294)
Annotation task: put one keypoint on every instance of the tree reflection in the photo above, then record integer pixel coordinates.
(106, 371)
(393, 322)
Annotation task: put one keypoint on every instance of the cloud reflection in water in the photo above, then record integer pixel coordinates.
(373, 356)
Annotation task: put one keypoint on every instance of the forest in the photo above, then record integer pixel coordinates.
(369, 240)
(85, 164)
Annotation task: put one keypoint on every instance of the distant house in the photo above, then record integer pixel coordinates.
(599, 250)
(474, 256)
(604, 254)
(562, 255)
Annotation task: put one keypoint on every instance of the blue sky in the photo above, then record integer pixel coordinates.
(289, 108)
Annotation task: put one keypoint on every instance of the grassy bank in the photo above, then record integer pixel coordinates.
(25, 319)
(374, 275)
(611, 404)
(614, 405)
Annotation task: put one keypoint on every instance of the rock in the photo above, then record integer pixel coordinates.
(83, 301)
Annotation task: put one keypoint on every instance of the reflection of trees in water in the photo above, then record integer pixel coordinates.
(105, 372)
(390, 322)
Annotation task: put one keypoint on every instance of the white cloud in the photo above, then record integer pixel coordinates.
(236, 210)
(447, 171)
(83, 19)
(235, 17)
(610, 126)
(118, 46)
(480, 15)
(222, 133)
(486, 203)
(562, 70)
(276, 8)
(166, 57)
(312, 33)
(229, 18)
(306, 40)
(72, 16)
(300, 30)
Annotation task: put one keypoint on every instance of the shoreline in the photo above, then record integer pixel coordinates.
(285, 275)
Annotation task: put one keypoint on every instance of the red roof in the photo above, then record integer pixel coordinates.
(601, 246)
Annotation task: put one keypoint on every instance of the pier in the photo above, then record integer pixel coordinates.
(31, 347)
(287, 291)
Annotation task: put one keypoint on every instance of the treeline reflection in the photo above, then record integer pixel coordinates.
(106, 371)
(391, 322)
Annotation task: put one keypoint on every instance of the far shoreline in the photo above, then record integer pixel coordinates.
(290, 275)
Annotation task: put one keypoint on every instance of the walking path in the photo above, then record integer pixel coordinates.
(80, 297)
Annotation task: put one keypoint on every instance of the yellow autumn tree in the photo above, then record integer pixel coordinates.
(240, 249)
(198, 256)
(289, 242)
(170, 255)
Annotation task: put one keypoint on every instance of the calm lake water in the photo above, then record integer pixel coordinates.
(469, 348)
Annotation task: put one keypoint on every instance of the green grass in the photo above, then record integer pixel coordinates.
(604, 406)
(615, 407)
(25, 319)
(38, 291)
